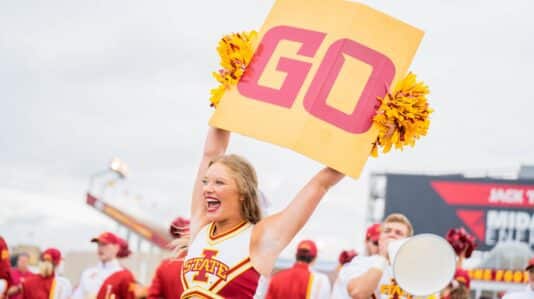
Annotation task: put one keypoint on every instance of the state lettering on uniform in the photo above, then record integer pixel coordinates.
(393, 290)
(206, 265)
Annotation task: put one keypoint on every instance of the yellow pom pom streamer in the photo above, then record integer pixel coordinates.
(403, 116)
(236, 53)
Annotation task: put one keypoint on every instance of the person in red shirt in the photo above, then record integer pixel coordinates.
(40, 286)
(119, 285)
(5, 269)
(166, 282)
(46, 285)
(299, 281)
(109, 279)
(21, 268)
(20, 271)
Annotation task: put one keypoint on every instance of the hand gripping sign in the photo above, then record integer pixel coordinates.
(313, 83)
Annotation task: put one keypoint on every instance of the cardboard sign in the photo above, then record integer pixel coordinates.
(313, 82)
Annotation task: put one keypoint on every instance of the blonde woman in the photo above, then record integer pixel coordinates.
(231, 244)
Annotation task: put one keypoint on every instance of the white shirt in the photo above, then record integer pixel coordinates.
(528, 293)
(63, 288)
(320, 286)
(358, 266)
(92, 278)
(263, 286)
(3, 285)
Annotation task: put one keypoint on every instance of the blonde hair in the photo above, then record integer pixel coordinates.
(247, 182)
(400, 218)
(46, 268)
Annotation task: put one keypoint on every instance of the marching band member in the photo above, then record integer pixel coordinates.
(231, 245)
(108, 279)
(300, 281)
(368, 276)
(166, 282)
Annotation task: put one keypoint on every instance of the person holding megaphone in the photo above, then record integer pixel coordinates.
(365, 276)
(405, 265)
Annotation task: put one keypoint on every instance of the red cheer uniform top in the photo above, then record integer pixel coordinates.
(166, 282)
(119, 285)
(38, 287)
(19, 277)
(294, 282)
(106, 281)
(218, 266)
(22, 275)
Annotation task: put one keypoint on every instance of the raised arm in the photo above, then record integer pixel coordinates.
(362, 286)
(214, 146)
(272, 234)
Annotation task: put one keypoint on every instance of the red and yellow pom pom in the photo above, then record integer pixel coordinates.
(461, 241)
(403, 115)
(236, 52)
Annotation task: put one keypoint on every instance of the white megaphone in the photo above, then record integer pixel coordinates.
(422, 265)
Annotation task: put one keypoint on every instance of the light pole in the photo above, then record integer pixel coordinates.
(116, 166)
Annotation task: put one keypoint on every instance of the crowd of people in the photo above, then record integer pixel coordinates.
(366, 275)
(228, 248)
(108, 279)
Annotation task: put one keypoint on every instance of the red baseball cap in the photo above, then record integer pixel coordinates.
(530, 264)
(373, 232)
(52, 255)
(462, 276)
(346, 256)
(309, 246)
(107, 238)
(179, 227)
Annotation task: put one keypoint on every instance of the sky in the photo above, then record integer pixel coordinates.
(84, 81)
